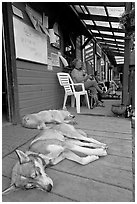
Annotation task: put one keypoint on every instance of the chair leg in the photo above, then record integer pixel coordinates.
(87, 100)
(73, 101)
(65, 100)
(78, 103)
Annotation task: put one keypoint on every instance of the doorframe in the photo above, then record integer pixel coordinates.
(10, 57)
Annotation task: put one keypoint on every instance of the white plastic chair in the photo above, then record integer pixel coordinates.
(69, 86)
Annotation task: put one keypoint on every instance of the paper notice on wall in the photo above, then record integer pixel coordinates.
(52, 36)
(55, 60)
(50, 68)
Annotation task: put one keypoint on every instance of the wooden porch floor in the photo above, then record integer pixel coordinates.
(109, 179)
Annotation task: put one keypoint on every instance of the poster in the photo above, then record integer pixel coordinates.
(29, 43)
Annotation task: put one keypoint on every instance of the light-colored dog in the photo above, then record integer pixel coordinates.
(50, 147)
(40, 119)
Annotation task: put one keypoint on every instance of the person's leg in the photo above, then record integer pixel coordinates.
(93, 95)
(92, 83)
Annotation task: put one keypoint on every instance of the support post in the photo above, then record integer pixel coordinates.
(125, 95)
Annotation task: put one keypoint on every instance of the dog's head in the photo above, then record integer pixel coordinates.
(28, 173)
(31, 121)
(67, 115)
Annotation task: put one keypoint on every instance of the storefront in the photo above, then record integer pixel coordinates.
(33, 37)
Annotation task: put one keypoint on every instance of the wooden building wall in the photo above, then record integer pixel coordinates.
(38, 87)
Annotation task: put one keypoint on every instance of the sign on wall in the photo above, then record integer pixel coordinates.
(55, 59)
(29, 43)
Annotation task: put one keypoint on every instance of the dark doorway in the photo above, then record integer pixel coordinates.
(5, 109)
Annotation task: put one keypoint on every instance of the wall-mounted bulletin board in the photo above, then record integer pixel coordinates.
(29, 43)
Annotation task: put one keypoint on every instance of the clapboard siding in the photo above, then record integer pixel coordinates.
(37, 108)
(38, 88)
(31, 88)
(33, 95)
(34, 102)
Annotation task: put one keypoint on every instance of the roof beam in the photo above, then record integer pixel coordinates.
(98, 18)
(117, 53)
(103, 44)
(102, 28)
(107, 36)
(111, 4)
(109, 41)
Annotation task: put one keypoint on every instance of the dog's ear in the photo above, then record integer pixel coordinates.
(12, 188)
(23, 158)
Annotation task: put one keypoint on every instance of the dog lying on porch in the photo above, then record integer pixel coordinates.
(51, 146)
(40, 119)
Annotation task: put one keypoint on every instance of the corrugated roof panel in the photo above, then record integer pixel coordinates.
(115, 25)
(119, 34)
(95, 31)
(119, 40)
(109, 39)
(115, 11)
(102, 23)
(97, 10)
(106, 32)
(90, 22)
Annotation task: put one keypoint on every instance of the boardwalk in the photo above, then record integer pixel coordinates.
(109, 179)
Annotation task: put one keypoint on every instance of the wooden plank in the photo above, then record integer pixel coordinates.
(94, 133)
(21, 64)
(45, 100)
(106, 124)
(34, 94)
(31, 73)
(40, 73)
(42, 87)
(32, 80)
(34, 195)
(30, 65)
(97, 171)
(86, 190)
(37, 87)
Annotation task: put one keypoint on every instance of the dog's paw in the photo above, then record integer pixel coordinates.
(89, 159)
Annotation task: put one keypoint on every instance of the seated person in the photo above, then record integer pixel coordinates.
(78, 75)
(101, 85)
